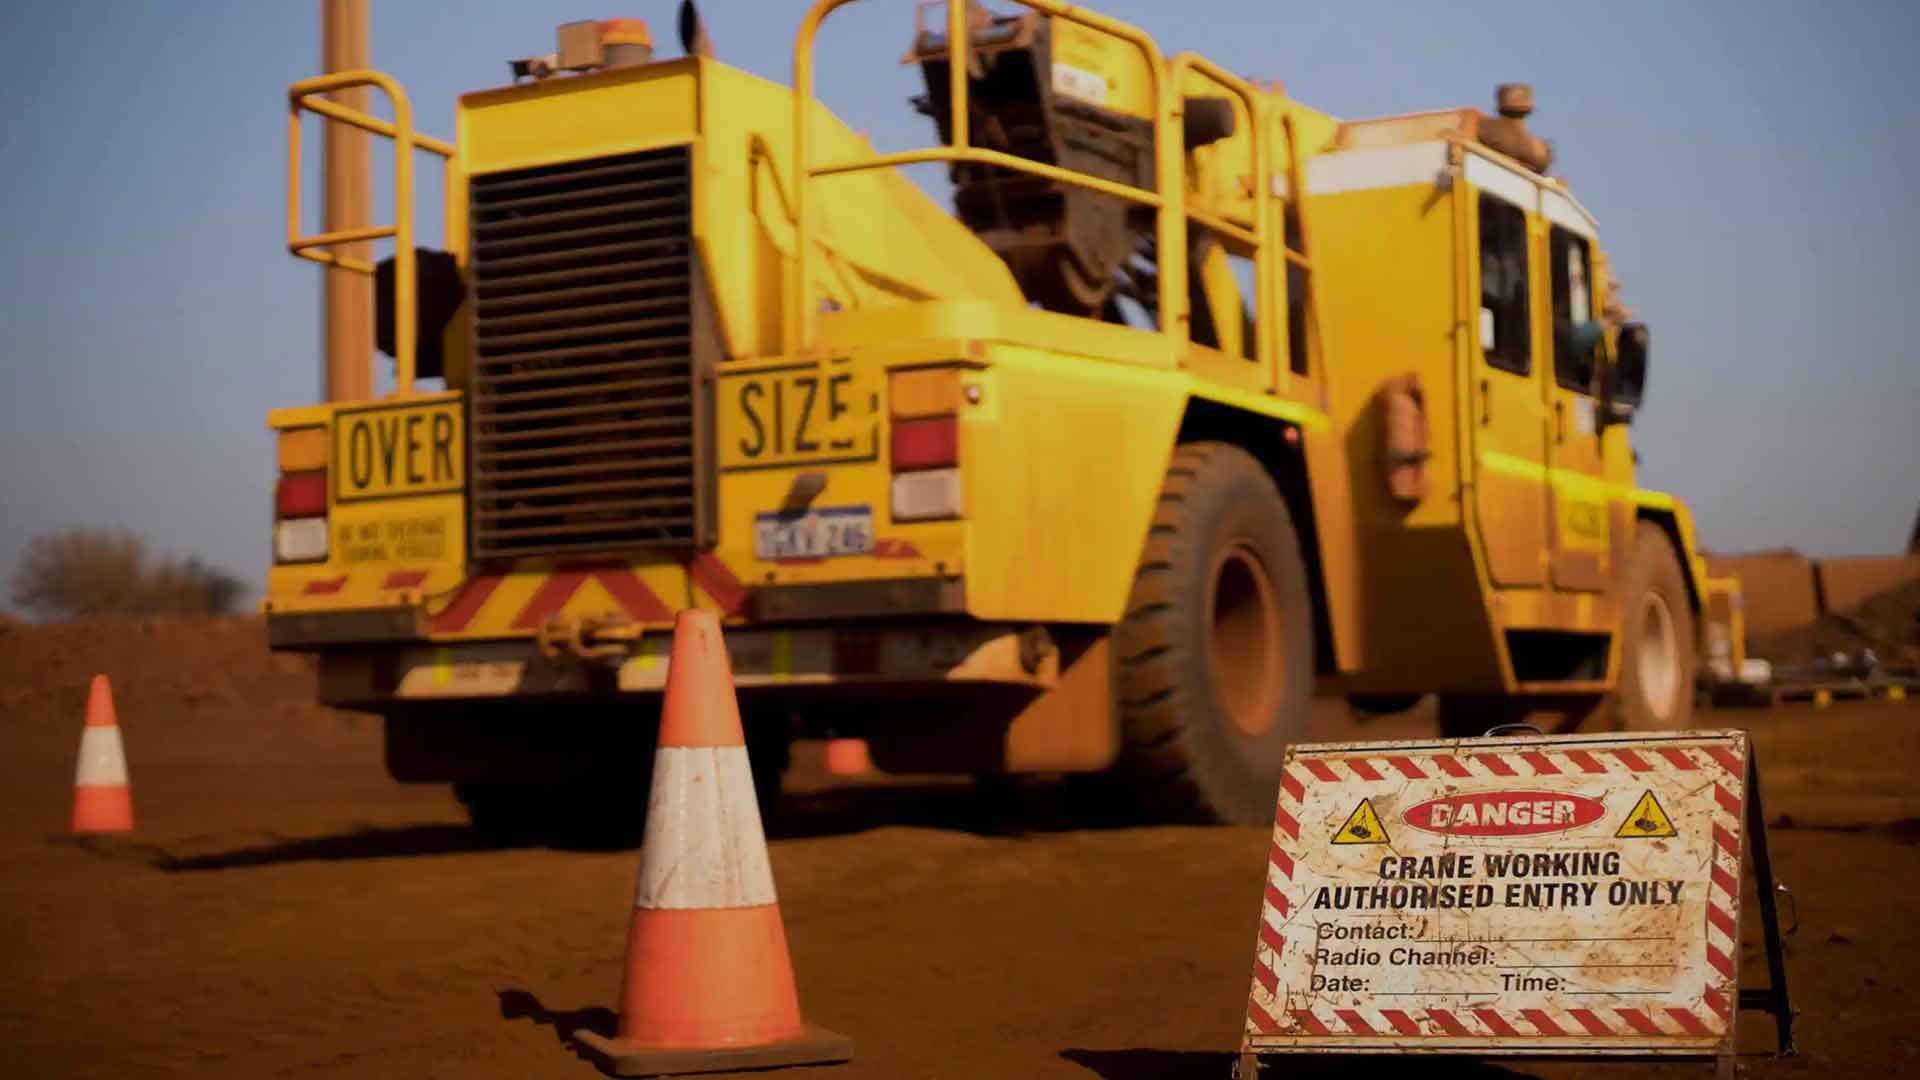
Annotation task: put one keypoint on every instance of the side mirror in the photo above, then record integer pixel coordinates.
(1207, 120)
(1627, 375)
(438, 292)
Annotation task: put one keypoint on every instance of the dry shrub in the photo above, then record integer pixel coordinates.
(88, 571)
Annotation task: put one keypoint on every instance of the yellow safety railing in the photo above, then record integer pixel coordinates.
(1266, 349)
(303, 97)
(1167, 199)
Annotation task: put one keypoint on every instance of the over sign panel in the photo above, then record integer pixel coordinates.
(1519, 895)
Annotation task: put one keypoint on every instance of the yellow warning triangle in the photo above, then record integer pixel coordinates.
(1647, 819)
(1362, 827)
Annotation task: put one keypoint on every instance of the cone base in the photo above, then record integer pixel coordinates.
(101, 809)
(619, 1057)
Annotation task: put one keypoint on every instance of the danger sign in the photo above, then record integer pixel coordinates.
(1533, 895)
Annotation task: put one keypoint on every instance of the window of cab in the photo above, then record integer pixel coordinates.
(1575, 331)
(1505, 338)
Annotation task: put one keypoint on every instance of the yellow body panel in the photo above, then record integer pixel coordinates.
(1056, 457)
(919, 253)
(562, 120)
(1391, 312)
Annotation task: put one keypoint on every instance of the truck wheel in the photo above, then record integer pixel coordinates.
(497, 811)
(1655, 687)
(601, 812)
(769, 738)
(594, 814)
(1215, 676)
(1656, 640)
(1470, 716)
(1384, 704)
(605, 806)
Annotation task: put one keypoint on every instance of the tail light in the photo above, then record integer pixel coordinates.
(301, 494)
(927, 495)
(924, 443)
(300, 497)
(299, 540)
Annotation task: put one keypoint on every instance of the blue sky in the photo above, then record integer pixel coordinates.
(1751, 164)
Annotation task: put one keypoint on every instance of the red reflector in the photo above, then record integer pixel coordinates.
(926, 444)
(301, 494)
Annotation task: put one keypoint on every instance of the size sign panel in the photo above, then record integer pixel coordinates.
(1515, 895)
(799, 414)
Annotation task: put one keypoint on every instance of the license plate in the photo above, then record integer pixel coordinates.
(808, 414)
(813, 534)
(382, 451)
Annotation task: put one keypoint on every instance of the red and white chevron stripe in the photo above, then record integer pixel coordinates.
(1274, 1010)
(1275, 905)
(1729, 777)
(1525, 764)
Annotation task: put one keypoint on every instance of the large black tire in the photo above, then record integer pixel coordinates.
(769, 737)
(596, 814)
(1470, 716)
(1384, 704)
(1656, 640)
(1215, 670)
(605, 804)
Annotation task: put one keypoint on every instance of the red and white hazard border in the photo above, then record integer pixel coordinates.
(1274, 1018)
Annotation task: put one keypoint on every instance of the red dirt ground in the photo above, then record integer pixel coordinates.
(285, 910)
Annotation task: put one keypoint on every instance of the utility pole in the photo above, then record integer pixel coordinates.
(347, 336)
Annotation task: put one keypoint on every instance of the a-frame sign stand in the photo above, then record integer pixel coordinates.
(1773, 997)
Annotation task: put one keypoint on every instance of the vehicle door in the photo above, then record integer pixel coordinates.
(1508, 422)
(1578, 503)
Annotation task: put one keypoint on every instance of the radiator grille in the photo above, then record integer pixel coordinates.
(584, 401)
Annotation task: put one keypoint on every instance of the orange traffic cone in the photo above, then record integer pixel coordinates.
(848, 757)
(102, 801)
(709, 983)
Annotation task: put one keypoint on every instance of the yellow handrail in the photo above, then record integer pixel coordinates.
(1167, 200)
(318, 247)
(992, 157)
(1265, 351)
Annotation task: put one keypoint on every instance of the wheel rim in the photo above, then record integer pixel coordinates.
(1243, 641)
(1659, 657)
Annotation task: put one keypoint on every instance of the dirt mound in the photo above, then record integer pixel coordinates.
(187, 658)
(1776, 588)
(185, 686)
(1887, 623)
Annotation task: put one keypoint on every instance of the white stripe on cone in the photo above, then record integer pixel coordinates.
(102, 762)
(704, 847)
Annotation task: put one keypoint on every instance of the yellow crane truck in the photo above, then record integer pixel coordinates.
(1198, 399)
